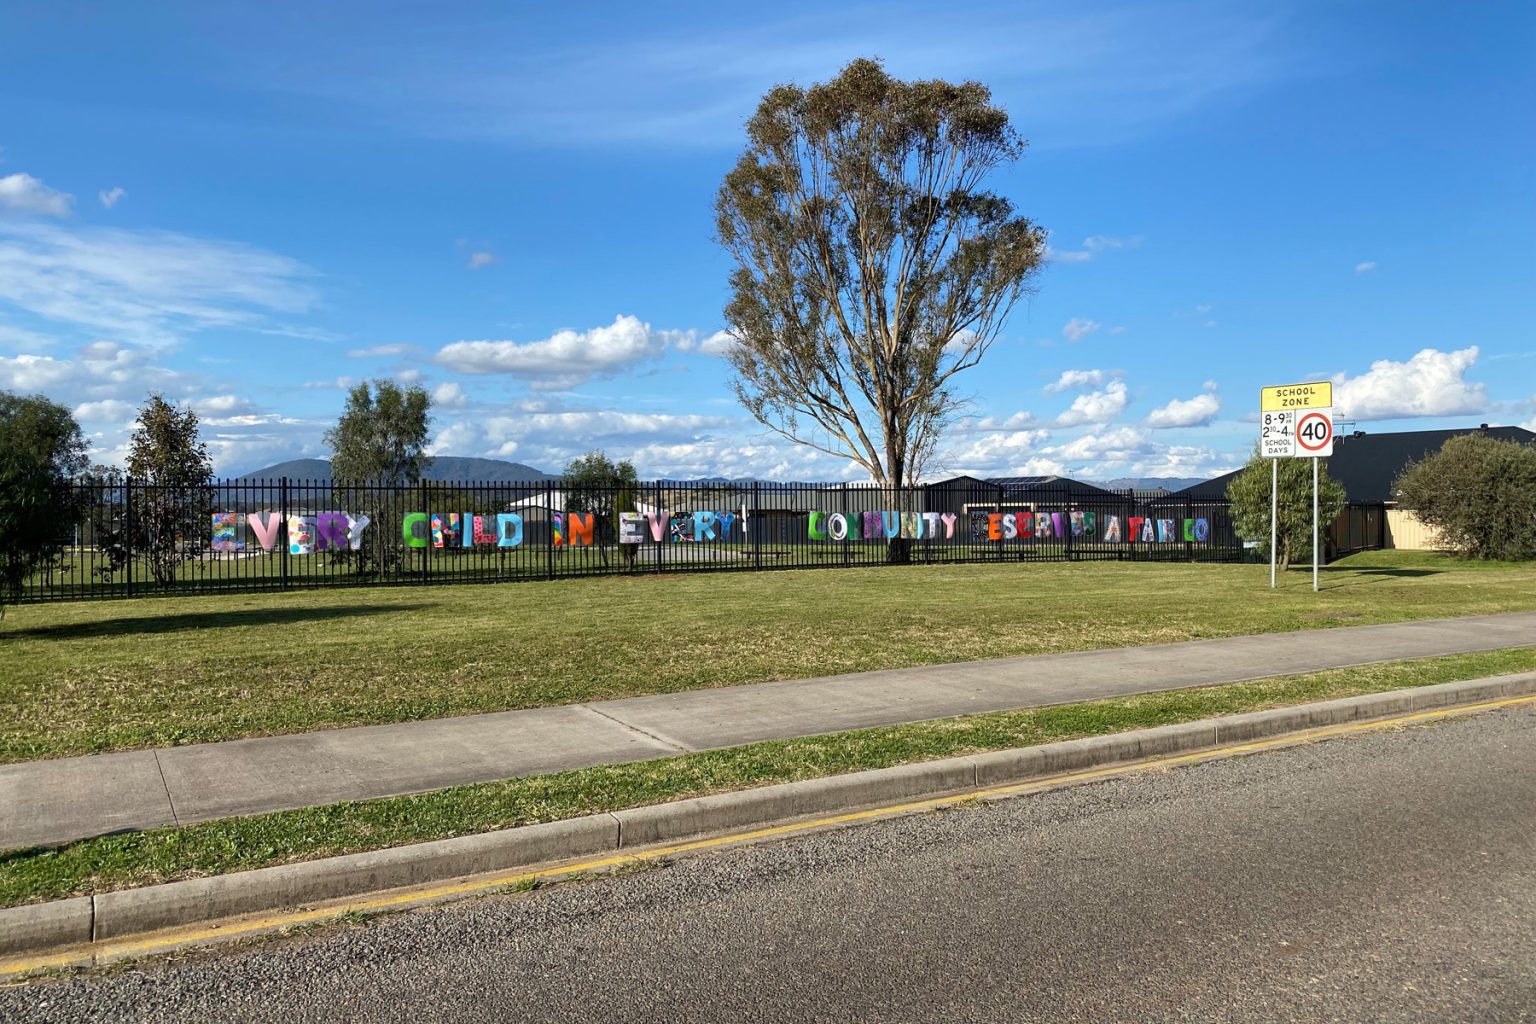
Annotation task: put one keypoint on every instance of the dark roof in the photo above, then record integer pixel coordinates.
(1367, 464)
(1022, 486)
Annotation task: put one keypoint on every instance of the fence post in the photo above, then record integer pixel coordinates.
(549, 520)
(849, 535)
(757, 533)
(282, 511)
(1189, 513)
(128, 531)
(426, 551)
(660, 544)
(1066, 521)
(998, 546)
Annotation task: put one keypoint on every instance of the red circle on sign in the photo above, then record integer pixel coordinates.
(1322, 442)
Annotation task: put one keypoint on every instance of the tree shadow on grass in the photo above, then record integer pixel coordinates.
(1378, 570)
(1368, 574)
(179, 622)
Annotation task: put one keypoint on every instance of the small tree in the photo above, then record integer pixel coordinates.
(1249, 494)
(381, 439)
(871, 266)
(596, 484)
(42, 452)
(382, 434)
(170, 461)
(1479, 492)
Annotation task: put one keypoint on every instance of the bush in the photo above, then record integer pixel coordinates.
(1249, 494)
(1479, 492)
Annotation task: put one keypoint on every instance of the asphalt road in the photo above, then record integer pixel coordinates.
(1388, 877)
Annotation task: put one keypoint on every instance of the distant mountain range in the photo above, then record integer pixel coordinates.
(438, 469)
(1150, 483)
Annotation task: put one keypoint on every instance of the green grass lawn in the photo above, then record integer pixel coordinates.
(237, 844)
(111, 675)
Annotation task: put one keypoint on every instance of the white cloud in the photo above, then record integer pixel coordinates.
(1017, 421)
(660, 444)
(26, 194)
(1079, 328)
(1131, 451)
(1432, 383)
(1093, 246)
(223, 406)
(147, 287)
(382, 351)
(28, 372)
(449, 395)
(1365, 267)
(996, 449)
(480, 259)
(1100, 243)
(102, 369)
(1071, 380)
(1195, 412)
(106, 382)
(108, 410)
(565, 358)
(718, 344)
(1067, 255)
(1096, 406)
(110, 196)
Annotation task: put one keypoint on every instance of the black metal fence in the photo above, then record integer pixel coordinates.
(1362, 526)
(133, 539)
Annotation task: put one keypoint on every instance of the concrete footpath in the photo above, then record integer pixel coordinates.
(44, 802)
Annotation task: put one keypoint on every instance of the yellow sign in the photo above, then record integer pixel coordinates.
(1317, 395)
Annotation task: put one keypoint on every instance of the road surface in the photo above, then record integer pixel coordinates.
(1386, 877)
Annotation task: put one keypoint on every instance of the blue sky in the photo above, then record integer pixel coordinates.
(248, 207)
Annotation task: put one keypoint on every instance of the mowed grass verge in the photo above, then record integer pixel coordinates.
(161, 855)
(113, 675)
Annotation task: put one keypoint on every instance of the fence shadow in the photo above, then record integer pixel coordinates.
(152, 624)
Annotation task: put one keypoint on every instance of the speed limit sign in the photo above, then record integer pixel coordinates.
(1314, 434)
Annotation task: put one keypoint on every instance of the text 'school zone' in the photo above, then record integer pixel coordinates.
(337, 531)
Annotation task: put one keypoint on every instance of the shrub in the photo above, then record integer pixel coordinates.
(1479, 492)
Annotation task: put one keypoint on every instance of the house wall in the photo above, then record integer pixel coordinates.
(1404, 530)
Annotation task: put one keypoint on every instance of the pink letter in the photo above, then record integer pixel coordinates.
(265, 531)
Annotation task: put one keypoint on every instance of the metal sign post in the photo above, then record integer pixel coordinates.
(1274, 516)
(1314, 526)
(1295, 421)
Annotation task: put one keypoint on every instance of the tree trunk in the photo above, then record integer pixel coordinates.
(898, 549)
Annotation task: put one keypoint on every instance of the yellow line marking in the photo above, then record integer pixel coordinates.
(233, 928)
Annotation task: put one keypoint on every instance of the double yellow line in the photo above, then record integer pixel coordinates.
(163, 941)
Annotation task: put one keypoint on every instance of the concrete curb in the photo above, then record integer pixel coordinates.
(133, 911)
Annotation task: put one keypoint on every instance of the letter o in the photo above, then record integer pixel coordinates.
(837, 526)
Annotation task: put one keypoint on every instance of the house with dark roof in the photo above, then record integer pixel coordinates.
(962, 494)
(1368, 465)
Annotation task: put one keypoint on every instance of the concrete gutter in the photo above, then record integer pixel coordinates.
(84, 920)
